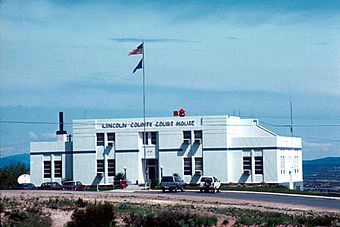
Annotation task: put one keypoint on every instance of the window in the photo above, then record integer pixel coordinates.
(100, 166)
(47, 169)
(198, 134)
(57, 169)
(100, 139)
(199, 164)
(187, 136)
(283, 164)
(110, 138)
(258, 165)
(110, 167)
(296, 164)
(246, 163)
(154, 138)
(187, 166)
(145, 139)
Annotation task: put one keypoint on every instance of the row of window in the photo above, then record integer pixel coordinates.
(149, 135)
(149, 138)
(111, 167)
(295, 164)
(48, 169)
(111, 137)
(198, 135)
(188, 165)
(247, 164)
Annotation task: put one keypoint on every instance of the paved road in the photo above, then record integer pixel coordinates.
(326, 203)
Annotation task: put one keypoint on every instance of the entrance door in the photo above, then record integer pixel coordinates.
(152, 169)
(152, 174)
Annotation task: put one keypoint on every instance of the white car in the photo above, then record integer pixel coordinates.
(208, 183)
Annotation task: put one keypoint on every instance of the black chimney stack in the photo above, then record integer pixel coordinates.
(61, 124)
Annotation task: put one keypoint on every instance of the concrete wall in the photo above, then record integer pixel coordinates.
(85, 168)
(131, 161)
(222, 148)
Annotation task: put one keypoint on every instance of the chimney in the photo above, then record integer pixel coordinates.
(61, 133)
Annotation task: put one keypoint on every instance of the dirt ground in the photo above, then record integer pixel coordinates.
(195, 204)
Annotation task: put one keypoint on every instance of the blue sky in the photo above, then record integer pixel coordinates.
(209, 57)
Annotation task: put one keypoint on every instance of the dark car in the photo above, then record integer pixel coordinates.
(26, 186)
(172, 183)
(51, 186)
(73, 186)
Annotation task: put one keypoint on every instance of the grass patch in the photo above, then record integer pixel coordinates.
(266, 218)
(167, 217)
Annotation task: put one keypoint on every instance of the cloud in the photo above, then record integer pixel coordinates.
(318, 146)
(230, 37)
(48, 135)
(150, 40)
(322, 43)
(32, 135)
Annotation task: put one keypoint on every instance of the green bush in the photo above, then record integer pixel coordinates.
(167, 218)
(10, 174)
(56, 203)
(29, 217)
(93, 215)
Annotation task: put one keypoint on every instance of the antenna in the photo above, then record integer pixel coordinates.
(291, 116)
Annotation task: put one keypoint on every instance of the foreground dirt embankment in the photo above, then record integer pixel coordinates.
(199, 204)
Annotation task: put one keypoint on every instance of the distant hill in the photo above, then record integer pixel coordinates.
(328, 160)
(23, 158)
(324, 169)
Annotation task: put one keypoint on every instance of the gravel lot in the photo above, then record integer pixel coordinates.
(195, 203)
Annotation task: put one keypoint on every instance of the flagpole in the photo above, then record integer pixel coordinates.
(145, 137)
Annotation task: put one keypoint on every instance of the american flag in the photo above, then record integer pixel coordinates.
(138, 50)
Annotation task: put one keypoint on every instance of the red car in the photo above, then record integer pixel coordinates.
(73, 186)
(51, 186)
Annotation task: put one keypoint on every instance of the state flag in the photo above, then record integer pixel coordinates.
(139, 66)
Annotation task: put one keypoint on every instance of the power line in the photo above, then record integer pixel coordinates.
(300, 125)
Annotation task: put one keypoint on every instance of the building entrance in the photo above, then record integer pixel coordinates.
(152, 169)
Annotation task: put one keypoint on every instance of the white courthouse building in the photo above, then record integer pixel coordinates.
(232, 149)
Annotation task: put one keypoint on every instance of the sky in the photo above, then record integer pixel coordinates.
(246, 58)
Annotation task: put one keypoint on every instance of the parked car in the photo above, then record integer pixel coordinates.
(208, 183)
(73, 186)
(51, 186)
(172, 183)
(26, 186)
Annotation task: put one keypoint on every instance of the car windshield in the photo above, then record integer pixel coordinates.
(206, 179)
(167, 179)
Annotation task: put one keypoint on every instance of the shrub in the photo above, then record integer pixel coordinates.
(93, 215)
(29, 217)
(167, 218)
(10, 174)
(81, 203)
(2, 206)
(59, 203)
